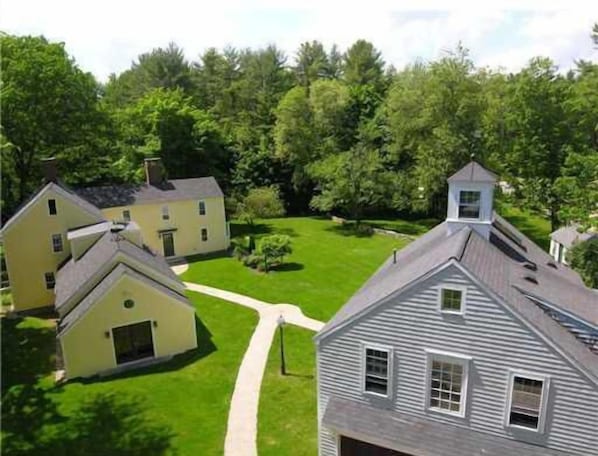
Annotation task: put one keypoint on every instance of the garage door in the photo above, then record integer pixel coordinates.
(351, 447)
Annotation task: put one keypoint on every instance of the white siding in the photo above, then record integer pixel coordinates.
(495, 339)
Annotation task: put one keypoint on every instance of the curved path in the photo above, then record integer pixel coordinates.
(241, 433)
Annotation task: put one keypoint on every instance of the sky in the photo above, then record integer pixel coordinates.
(106, 37)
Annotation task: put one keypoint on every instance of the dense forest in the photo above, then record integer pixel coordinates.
(332, 130)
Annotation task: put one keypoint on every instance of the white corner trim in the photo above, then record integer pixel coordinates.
(545, 379)
(463, 360)
(364, 346)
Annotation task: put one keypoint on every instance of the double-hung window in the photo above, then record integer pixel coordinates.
(447, 384)
(377, 370)
(57, 243)
(204, 234)
(202, 208)
(50, 280)
(165, 213)
(527, 401)
(127, 215)
(469, 204)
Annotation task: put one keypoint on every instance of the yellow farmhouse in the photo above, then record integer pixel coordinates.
(178, 217)
(103, 269)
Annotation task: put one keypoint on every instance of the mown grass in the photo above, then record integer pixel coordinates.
(328, 264)
(534, 226)
(190, 394)
(287, 415)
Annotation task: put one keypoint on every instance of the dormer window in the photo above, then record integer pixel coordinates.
(469, 204)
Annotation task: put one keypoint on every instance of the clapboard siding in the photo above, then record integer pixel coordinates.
(495, 339)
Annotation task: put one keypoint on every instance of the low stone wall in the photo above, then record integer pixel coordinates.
(396, 234)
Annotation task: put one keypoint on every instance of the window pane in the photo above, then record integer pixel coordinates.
(526, 402)
(50, 280)
(204, 234)
(202, 208)
(57, 243)
(451, 299)
(469, 204)
(376, 371)
(52, 207)
(446, 386)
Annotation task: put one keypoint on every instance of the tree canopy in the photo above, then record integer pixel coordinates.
(333, 130)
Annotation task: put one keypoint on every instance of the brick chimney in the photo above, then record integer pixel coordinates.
(50, 169)
(154, 172)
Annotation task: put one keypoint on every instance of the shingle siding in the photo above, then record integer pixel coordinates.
(495, 339)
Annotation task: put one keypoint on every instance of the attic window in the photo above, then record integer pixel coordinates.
(129, 303)
(52, 206)
(531, 279)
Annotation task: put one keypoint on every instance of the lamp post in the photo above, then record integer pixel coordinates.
(281, 322)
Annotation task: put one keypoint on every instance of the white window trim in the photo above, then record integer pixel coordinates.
(372, 346)
(123, 214)
(165, 211)
(56, 252)
(462, 289)
(207, 234)
(205, 208)
(545, 379)
(465, 361)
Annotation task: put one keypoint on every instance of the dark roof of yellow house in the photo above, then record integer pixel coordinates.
(170, 190)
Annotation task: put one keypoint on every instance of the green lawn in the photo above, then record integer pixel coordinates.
(328, 264)
(191, 393)
(534, 226)
(287, 415)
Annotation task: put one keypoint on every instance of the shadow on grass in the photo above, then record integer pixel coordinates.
(205, 347)
(288, 267)
(104, 423)
(349, 229)
(305, 376)
(259, 229)
(28, 353)
(415, 228)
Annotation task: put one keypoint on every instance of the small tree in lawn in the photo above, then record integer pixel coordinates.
(274, 247)
(582, 258)
(261, 202)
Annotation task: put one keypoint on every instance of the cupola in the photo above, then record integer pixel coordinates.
(470, 195)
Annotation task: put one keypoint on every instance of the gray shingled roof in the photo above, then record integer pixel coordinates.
(104, 285)
(75, 275)
(172, 190)
(498, 263)
(568, 235)
(419, 436)
(473, 172)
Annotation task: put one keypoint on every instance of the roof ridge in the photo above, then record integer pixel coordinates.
(464, 244)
